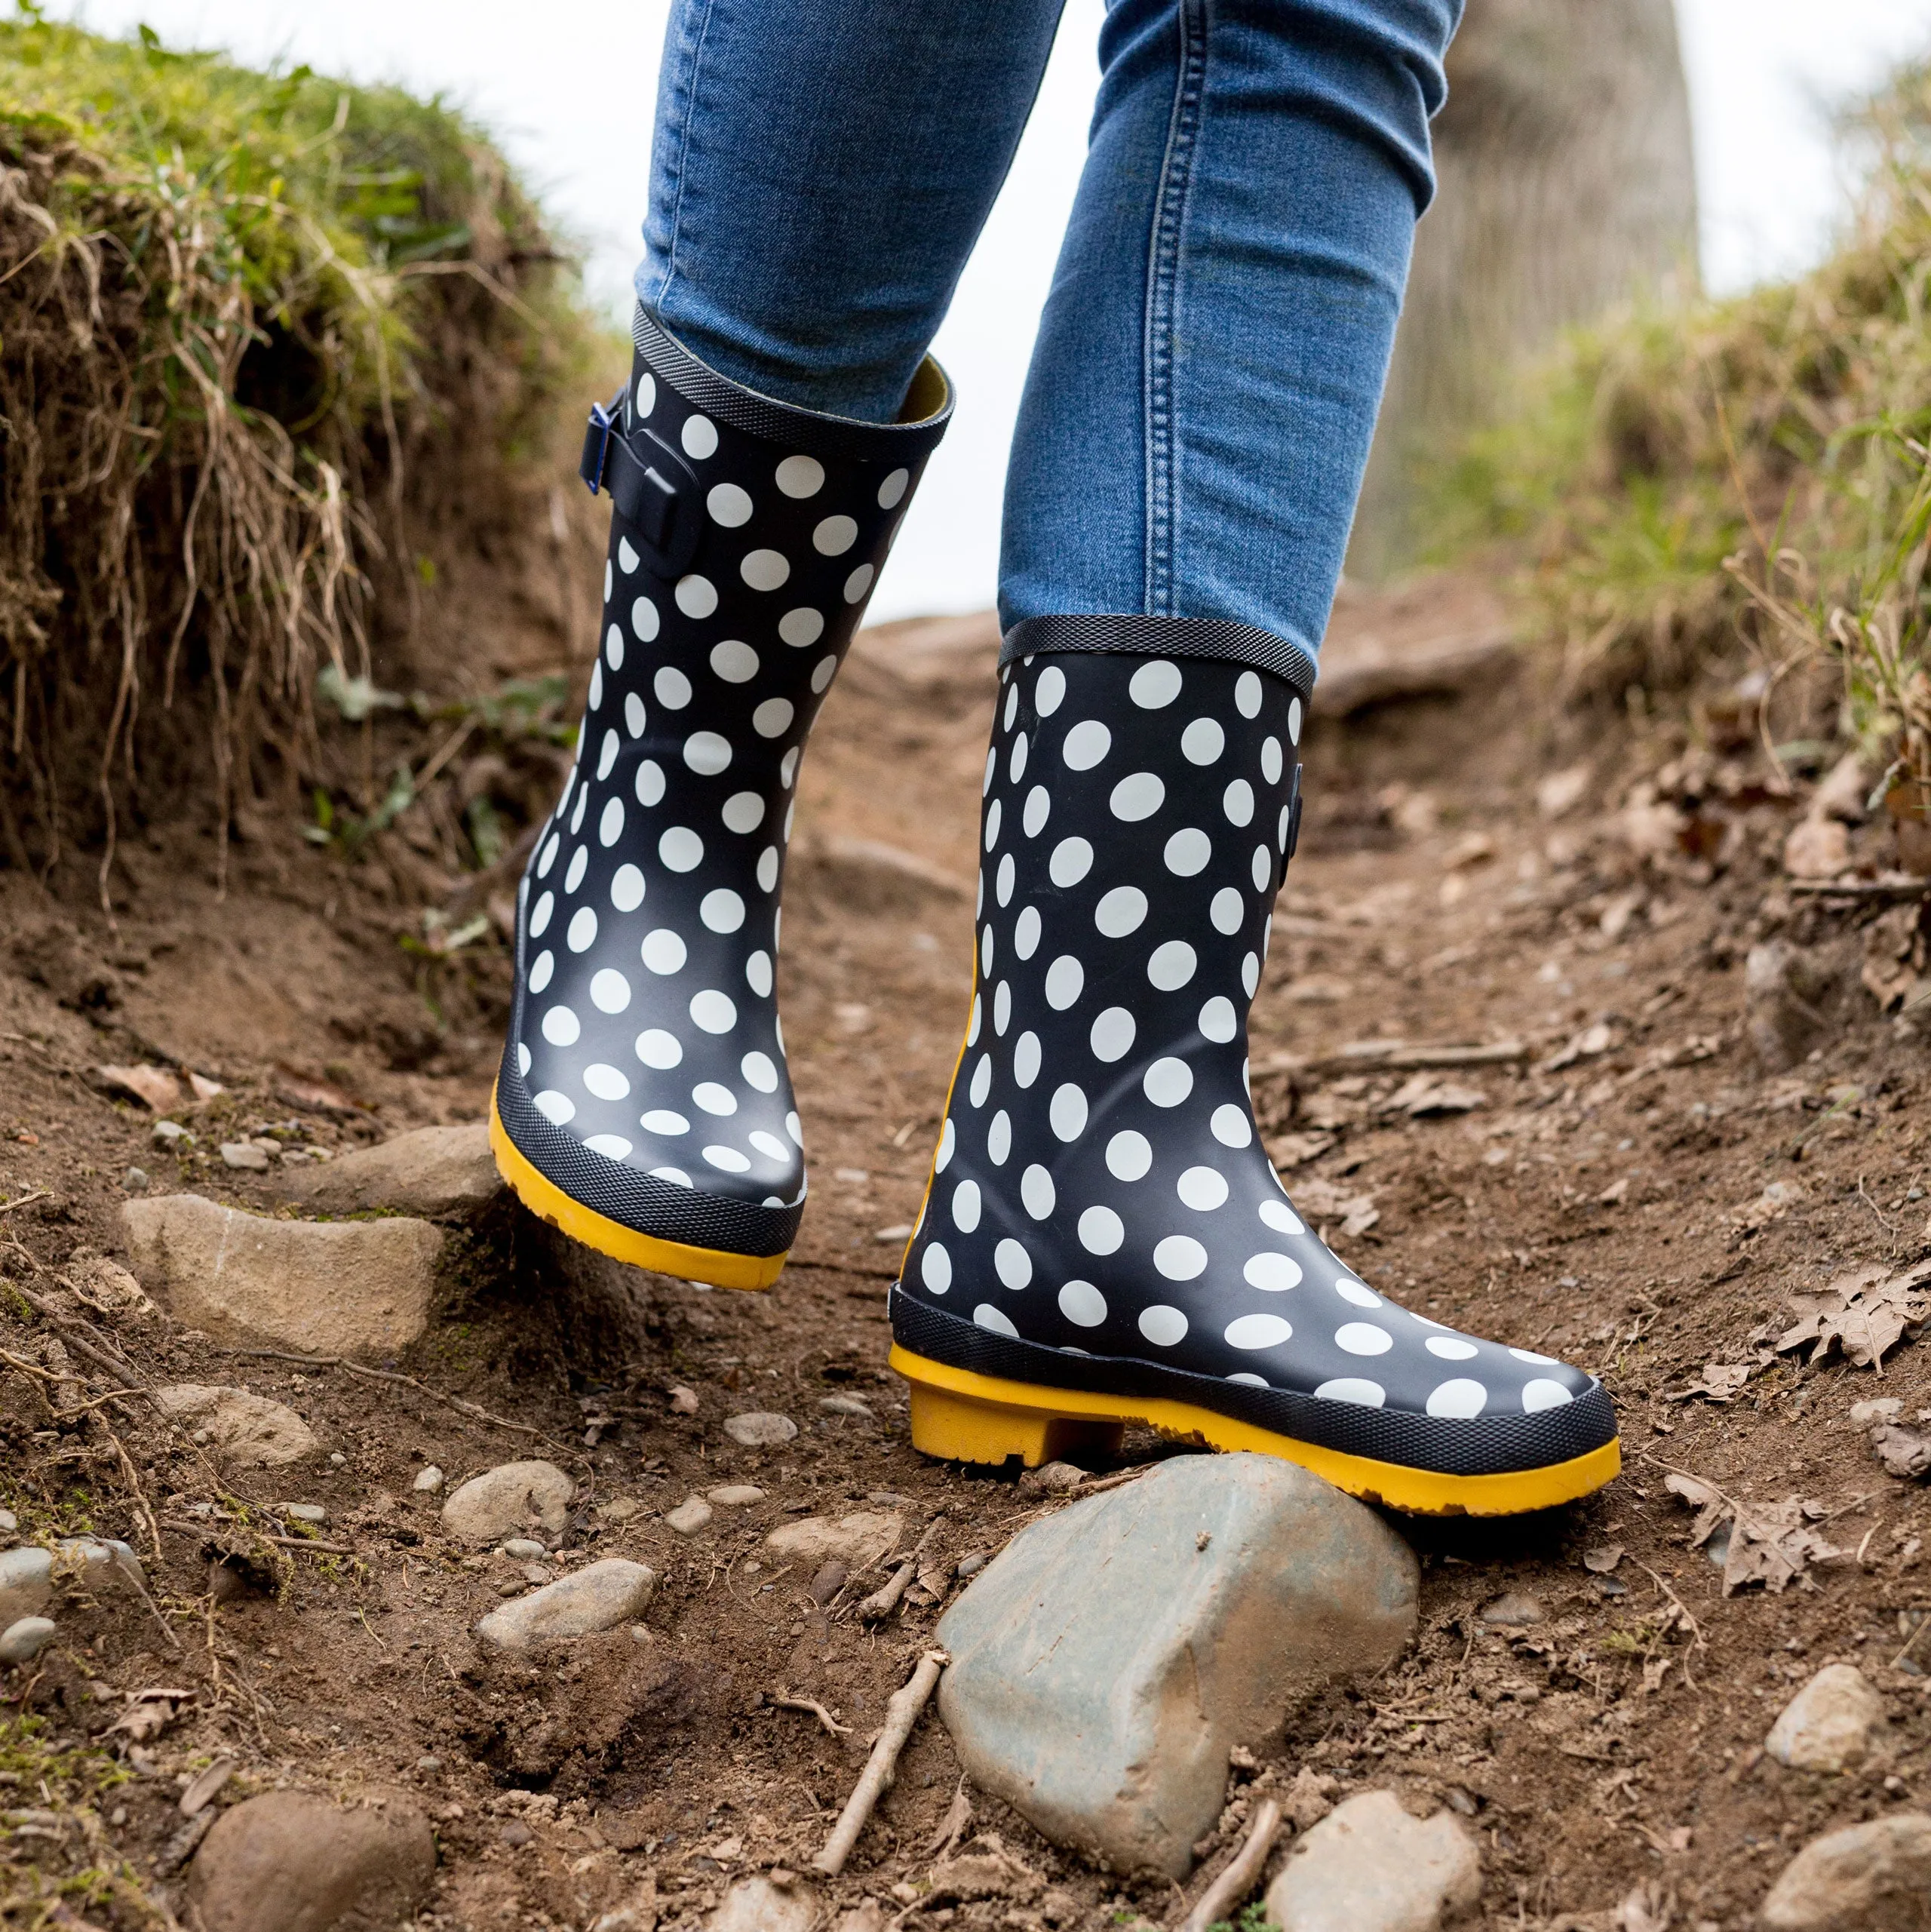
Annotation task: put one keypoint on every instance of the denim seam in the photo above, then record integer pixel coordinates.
(1162, 483)
(670, 273)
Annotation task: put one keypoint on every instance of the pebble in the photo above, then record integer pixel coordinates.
(172, 1134)
(429, 1479)
(1368, 1866)
(1052, 1479)
(1836, 1721)
(856, 1540)
(620, 1509)
(1881, 1408)
(431, 1171)
(135, 1181)
(289, 1858)
(9, 1522)
(337, 1460)
(245, 1155)
(502, 1501)
(758, 1905)
(516, 1832)
(333, 1288)
(525, 1548)
(598, 1597)
(690, 1515)
(305, 1512)
(247, 1428)
(25, 1638)
(27, 1576)
(1512, 1610)
(1106, 1717)
(970, 1566)
(1864, 1876)
(845, 1405)
(429, 1761)
(758, 1429)
(734, 1495)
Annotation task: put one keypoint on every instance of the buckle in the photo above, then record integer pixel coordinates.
(605, 421)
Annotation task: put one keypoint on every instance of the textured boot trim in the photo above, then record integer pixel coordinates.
(1164, 637)
(804, 430)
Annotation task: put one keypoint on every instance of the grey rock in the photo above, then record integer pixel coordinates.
(172, 1134)
(1867, 1877)
(598, 1597)
(508, 1498)
(1368, 1866)
(845, 1405)
(245, 1155)
(1881, 1408)
(1108, 1659)
(1836, 1721)
(431, 1171)
(247, 1428)
(300, 1864)
(135, 1181)
(305, 1512)
(757, 1905)
(759, 1429)
(1512, 1610)
(857, 1541)
(336, 1288)
(525, 1548)
(29, 1577)
(9, 1522)
(734, 1495)
(429, 1479)
(690, 1515)
(25, 1637)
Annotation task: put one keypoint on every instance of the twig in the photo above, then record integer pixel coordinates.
(214, 1523)
(901, 1714)
(390, 1375)
(26, 1201)
(1218, 1900)
(815, 1709)
(884, 1600)
(1891, 891)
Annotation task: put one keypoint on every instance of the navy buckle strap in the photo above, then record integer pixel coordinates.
(651, 487)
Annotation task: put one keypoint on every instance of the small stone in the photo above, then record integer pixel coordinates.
(1837, 1721)
(429, 1761)
(515, 1832)
(135, 1181)
(524, 1548)
(289, 1859)
(826, 1583)
(9, 1522)
(1052, 1479)
(1512, 1610)
(734, 1495)
(690, 1515)
(845, 1405)
(245, 1155)
(337, 1460)
(1368, 1866)
(1864, 1878)
(305, 1512)
(1234, 1584)
(620, 1509)
(430, 1171)
(25, 1637)
(1881, 1408)
(248, 1428)
(1904, 1453)
(970, 1566)
(509, 1586)
(502, 1501)
(429, 1479)
(759, 1429)
(598, 1597)
(334, 1288)
(857, 1541)
(172, 1134)
(29, 1577)
(758, 1905)
(683, 1401)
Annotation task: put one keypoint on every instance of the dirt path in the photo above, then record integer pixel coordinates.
(1617, 1177)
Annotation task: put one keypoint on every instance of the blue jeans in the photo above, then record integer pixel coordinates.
(1205, 384)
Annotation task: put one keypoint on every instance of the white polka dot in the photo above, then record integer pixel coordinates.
(579, 864)
(1082, 1304)
(858, 583)
(1263, 868)
(645, 401)
(1230, 1125)
(1272, 1272)
(1451, 1348)
(1542, 1393)
(582, 933)
(549, 857)
(609, 990)
(713, 1010)
(772, 718)
(1011, 1263)
(1050, 692)
(1353, 1389)
(1072, 859)
(1002, 1008)
(556, 1108)
(999, 1139)
(1026, 932)
(663, 952)
(699, 437)
(722, 909)
(767, 868)
(1037, 1193)
(609, 580)
(1154, 685)
(1227, 910)
(1363, 1338)
(1187, 853)
(1247, 1332)
(674, 1175)
(656, 1048)
(1216, 1021)
(965, 1206)
(992, 770)
(1238, 803)
(1086, 744)
(822, 672)
(1270, 760)
(696, 596)
(759, 1072)
(1164, 1327)
(606, 1082)
(794, 1126)
(891, 491)
(988, 943)
(743, 811)
(1019, 770)
(1111, 1036)
(972, 1024)
(612, 1146)
(672, 686)
(729, 505)
(1250, 973)
(1293, 720)
(948, 1140)
(1137, 796)
(1530, 1355)
(1064, 978)
(1008, 875)
(987, 1316)
(1179, 1258)
(561, 1027)
(714, 1099)
(995, 813)
(1101, 1231)
(1067, 1112)
(772, 1148)
(596, 695)
(765, 569)
(1168, 1082)
(680, 848)
(757, 973)
(1203, 1189)
(1202, 742)
(634, 714)
(1247, 695)
(734, 661)
(1359, 1293)
(644, 620)
(982, 1083)
(1011, 710)
(1171, 965)
(539, 974)
(1026, 1059)
(1461, 1397)
(649, 782)
(627, 560)
(800, 477)
(610, 825)
(1279, 1216)
(1129, 1155)
(935, 1269)
(1039, 804)
(1120, 911)
(727, 1160)
(834, 536)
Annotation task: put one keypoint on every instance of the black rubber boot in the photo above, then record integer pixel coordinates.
(643, 1105)
(1104, 1239)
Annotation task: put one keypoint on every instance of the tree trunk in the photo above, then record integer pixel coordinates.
(1567, 187)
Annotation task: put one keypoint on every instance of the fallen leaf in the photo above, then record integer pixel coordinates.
(1603, 1559)
(1320, 1200)
(1817, 849)
(204, 1089)
(1425, 1094)
(153, 1086)
(1866, 1313)
(683, 1401)
(1586, 1045)
(1768, 1543)
(1903, 1452)
(1720, 1382)
(1297, 1150)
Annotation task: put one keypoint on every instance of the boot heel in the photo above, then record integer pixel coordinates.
(959, 1429)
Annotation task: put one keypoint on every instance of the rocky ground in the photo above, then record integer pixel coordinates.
(377, 1553)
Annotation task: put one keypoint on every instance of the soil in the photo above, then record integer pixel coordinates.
(1623, 1180)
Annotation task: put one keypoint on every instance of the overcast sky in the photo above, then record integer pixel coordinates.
(569, 99)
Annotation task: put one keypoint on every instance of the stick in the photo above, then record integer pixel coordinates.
(814, 1708)
(1898, 891)
(884, 1600)
(1219, 1899)
(390, 1375)
(901, 1714)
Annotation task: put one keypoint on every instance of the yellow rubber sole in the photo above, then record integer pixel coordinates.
(714, 1266)
(961, 1417)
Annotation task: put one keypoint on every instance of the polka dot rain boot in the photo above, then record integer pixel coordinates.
(1104, 1239)
(643, 1105)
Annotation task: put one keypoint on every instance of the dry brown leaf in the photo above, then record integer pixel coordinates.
(1769, 1543)
(1604, 1559)
(1321, 1200)
(1297, 1150)
(154, 1087)
(1427, 1094)
(1720, 1382)
(1865, 1312)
